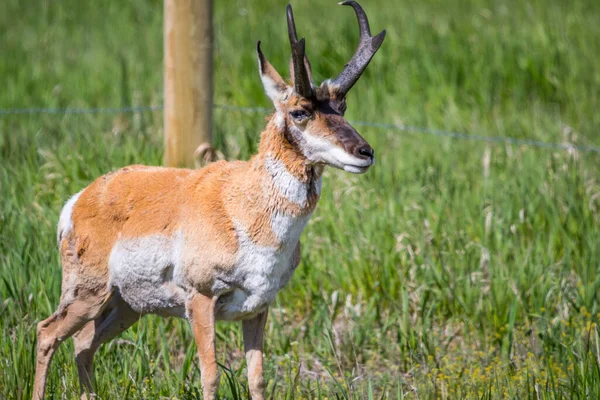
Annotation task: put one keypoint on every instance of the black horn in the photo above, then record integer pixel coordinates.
(367, 47)
(302, 82)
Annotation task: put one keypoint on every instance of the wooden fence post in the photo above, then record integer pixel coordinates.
(188, 79)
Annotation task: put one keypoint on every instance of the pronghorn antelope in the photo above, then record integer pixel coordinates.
(211, 244)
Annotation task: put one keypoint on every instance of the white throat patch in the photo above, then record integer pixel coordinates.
(288, 185)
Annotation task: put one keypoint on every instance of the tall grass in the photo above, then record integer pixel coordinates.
(453, 269)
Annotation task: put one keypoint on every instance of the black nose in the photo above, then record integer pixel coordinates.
(366, 151)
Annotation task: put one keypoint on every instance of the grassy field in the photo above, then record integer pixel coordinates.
(453, 269)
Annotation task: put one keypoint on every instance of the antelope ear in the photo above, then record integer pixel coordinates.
(274, 85)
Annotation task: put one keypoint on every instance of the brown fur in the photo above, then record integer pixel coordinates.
(202, 316)
(204, 209)
(253, 346)
(139, 201)
(203, 204)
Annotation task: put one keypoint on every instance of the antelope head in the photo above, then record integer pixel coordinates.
(312, 117)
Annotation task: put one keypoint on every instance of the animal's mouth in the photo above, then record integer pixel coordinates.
(359, 169)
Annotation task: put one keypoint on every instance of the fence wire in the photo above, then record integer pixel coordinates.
(263, 110)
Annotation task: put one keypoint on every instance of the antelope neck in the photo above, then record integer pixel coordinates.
(297, 182)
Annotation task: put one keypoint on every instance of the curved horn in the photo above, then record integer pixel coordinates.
(367, 47)
(302, 83)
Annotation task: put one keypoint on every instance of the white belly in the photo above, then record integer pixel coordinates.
(144, 271)
(260, 271)
(147, 272)
(259, 274)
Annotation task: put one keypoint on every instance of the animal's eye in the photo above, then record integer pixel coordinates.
(299, 114)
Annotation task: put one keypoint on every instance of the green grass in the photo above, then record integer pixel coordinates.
(453, 269)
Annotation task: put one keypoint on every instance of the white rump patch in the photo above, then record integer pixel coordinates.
(65, 222)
